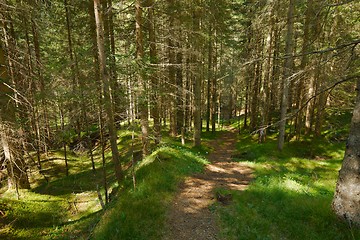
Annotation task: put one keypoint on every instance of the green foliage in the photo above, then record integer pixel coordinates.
(291, 195)
(59, 208)
(42, 210)
(338, 122)
(139, 213)
(289, 198)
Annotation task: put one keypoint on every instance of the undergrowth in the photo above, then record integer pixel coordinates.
(67, 207)
(290, 197)
(139, 213)
(56, 207)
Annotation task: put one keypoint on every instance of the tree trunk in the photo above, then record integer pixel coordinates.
(111, 49)
(246, 110)
(103, 147)
(179, 89)
(210, 76)
(187, 96)
(35, 136)
(143, 103)
(106, 91)
(275, 71)
(62, 122)
(214, 90)
(197, 81)
(255, 98)
(16, 166)
(301, 96)
(288, 65)
(310, 106)
(172, 69)
(320, 99)
(266, 103)
(154, 77)
(38, 66)
(74, 106)
(346, 204)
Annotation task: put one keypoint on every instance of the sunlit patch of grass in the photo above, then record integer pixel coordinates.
(57, 206)
(31, 216)
(291, 195)
(51, 214)
(139, 213)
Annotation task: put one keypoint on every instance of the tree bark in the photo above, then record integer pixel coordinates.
(288, 65)
(346, 204)
(197, 81)
(266, 104)
(143, 102)
(275, 77)
(210, 76)
(301, 96)
(75, 119)
(38, 66)
(62, 122)
(154, 77)
(34, 133)
(255, 98)
(111, 49)
(16, 166)
(172, 69)
(103, 148)
(106, 91)
(179, 88)
(214, 88)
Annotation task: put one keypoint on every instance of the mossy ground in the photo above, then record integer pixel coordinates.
(290, 197)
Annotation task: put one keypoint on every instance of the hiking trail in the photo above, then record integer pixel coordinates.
(190, 217)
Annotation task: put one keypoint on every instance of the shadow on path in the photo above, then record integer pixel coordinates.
(190, 216)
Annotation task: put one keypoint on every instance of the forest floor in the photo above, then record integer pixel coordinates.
(241, 190)
(190, 216)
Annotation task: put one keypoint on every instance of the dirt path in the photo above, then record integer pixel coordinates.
(190, 216)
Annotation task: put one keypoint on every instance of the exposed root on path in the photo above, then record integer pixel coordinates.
(190, 216)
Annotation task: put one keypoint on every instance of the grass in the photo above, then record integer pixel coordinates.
(60, 208)
(67, 207)
(290, 198)
(140, 213)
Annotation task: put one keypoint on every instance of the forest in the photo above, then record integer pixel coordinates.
(192, 119)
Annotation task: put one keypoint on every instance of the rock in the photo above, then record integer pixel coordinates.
(224, 198)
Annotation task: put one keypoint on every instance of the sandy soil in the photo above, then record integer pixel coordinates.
(190, 216)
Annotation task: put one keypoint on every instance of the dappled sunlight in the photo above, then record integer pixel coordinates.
(231, 175)
(295, 185)
(140, 212)
(82, 204)
(196, 195)
(56, 203)
(276, 213)
(44, 210)
(190, 216)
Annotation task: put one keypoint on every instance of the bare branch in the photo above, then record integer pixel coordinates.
(330, 88)
(340, 3)
(353, 43)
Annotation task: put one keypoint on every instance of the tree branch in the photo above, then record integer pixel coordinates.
(340, 3)
(330, 88)
(353, 43)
